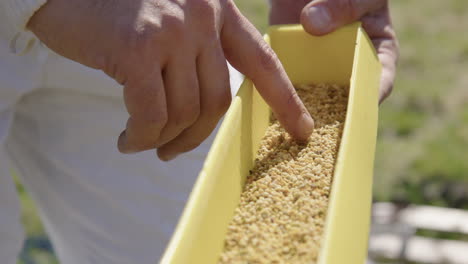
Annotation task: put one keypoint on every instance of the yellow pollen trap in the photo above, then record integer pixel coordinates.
(345, 57)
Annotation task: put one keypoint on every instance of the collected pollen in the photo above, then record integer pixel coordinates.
(282, 210)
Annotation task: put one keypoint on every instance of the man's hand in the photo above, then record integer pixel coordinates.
(170, 56)
(320, 17)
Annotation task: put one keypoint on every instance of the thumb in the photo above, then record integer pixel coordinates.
(324, 16)
(246, 50)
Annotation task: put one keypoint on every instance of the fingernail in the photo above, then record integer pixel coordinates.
(319, 17)
(306, 126)
(167, 157)
(122, 144)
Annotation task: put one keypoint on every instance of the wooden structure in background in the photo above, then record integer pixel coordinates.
(393, 235)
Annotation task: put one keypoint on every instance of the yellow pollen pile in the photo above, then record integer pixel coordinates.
(281, 215)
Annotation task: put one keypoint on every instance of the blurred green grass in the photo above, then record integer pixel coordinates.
(423, 125)
(422, 147)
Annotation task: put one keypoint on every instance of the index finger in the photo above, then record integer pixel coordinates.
(246, 50)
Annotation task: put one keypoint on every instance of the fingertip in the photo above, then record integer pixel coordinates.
(386, 83)
(385, 91)
(122, 143)
(165, 156)
(316, 20)
(305, 125)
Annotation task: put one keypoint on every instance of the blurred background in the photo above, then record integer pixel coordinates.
(422, 150)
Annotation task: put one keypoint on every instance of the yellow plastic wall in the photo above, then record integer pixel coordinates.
(344, 57)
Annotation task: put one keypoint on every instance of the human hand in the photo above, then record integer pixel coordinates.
(320, 17)
(170, 56)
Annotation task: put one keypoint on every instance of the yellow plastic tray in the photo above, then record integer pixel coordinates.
(344, 57)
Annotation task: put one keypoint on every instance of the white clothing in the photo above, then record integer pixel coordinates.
(14, 15)
(59, 122)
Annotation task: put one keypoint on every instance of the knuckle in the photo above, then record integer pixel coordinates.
(187, 115)
(230, 5)
(149, 29)
(146, 31)
(293, 99)
(174, 24)
(222, 103)
(205, 7)
(139, 38)
(267, 58)
(206, 13)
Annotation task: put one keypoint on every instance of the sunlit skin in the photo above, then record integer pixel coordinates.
(321, 17)
(170, 56)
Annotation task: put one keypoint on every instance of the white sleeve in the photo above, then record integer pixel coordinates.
(14, 16)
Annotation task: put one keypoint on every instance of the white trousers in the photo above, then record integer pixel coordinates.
(59, 122)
